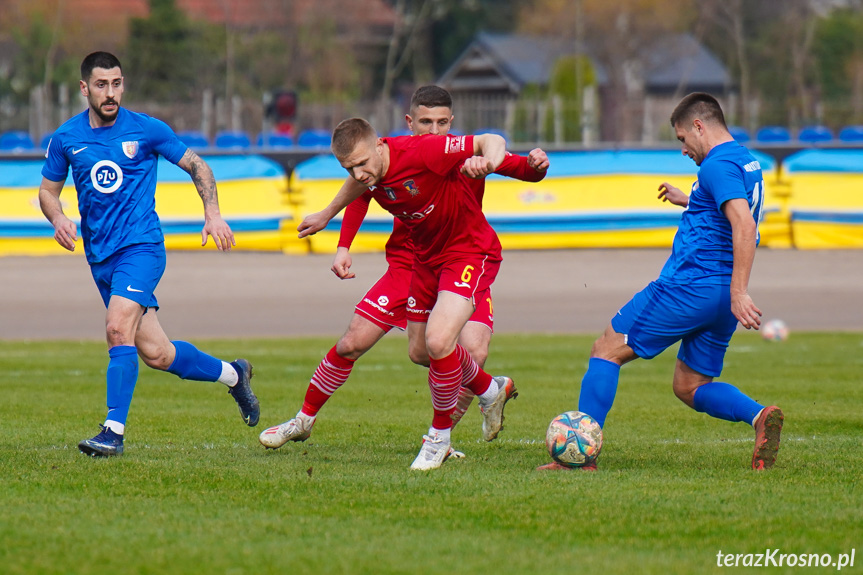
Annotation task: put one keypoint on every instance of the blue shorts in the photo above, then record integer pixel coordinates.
(133, 273)
(662, 314)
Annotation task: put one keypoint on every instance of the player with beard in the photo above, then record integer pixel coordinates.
(113, 153)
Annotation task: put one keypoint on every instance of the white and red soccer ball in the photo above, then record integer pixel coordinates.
(774, 330)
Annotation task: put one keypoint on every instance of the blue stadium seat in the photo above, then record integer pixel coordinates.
(851, 134)
(739, 134)
(314, 138)
(233, 140)
(194, 139)
(16, 142)
(397, 133)
(815, 134)
(773, 134)
(274, 140)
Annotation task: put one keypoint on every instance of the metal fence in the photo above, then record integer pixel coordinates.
(530, 121)
(548, 122)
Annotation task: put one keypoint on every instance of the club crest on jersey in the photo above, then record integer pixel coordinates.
(130, 149)
(411, 187)
(391, 193)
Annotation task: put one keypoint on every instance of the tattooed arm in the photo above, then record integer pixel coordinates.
(205, 183)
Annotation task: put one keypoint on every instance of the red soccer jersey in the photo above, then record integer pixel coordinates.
(399, 249)
(425, 191)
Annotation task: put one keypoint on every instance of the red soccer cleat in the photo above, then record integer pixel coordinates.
(768, 426)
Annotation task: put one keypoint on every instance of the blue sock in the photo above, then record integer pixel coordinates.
(190, 363)
(724, 401)
(598, 388)
(122, 376)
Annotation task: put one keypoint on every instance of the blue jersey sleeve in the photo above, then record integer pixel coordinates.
(56, 166)
(724, 181)
(165, 141)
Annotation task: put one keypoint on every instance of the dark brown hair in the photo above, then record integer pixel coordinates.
(104, 60)
(698, 105)
(431, 97)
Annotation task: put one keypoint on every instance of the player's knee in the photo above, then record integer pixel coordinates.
(421, 359)
(685, 394)
(478, 353)
(439, 345)
(115, 335)
(600, 349)
(155, 358)
(352, 347)
(419, 355)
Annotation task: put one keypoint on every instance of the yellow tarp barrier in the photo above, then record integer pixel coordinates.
(587, 200)
(253, 199)
(826, 203)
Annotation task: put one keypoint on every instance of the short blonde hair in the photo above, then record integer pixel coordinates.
(349, 133)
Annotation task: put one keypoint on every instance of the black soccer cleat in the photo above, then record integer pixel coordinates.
(250, 409)
(106, 444)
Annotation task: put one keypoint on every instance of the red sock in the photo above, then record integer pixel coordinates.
(445, 376)
(331, 373)
(314, 400)
(474, 378)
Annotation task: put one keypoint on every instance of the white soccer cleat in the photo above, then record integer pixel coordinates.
(492, 414)
(297, 429)
(434, 452)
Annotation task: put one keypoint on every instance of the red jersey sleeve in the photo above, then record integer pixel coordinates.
(515, 166)
(355, 213)
(441, 154)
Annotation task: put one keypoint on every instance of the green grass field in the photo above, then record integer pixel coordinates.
(196, 493)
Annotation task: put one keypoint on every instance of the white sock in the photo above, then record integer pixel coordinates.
(490, 394)
(229, 376)
(306, 415)
(115, 426)
(757, 415)
(441, 433)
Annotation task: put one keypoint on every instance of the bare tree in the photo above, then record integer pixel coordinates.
(618, 35)
(728, 16)
(799, 21)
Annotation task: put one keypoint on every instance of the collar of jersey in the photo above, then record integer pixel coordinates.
(121, 119)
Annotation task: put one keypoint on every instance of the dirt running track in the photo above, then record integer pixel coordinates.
(207, 294)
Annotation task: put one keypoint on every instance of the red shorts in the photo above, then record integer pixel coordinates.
(484, 312)
(384, 304)
(467, 276)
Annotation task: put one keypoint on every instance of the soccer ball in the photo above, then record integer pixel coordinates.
(774, 330)
(574, 439)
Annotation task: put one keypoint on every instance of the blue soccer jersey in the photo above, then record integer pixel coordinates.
(114, 170)
(703, 250)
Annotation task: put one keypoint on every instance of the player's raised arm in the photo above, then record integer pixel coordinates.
(530, 168)
(743, 237)
(205, 183)
(65, 230)
(313, 223)
(489, 151)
